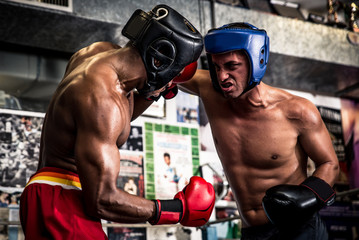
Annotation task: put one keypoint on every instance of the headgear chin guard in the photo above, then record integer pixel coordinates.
(164, 35)
(239, 36)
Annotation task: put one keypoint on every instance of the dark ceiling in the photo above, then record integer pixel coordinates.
(330, 12)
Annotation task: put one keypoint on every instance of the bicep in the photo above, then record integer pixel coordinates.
(96, 153)
(194, 85)
(316, 142)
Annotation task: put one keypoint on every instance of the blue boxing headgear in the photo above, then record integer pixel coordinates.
(165, 35)
(239, 36)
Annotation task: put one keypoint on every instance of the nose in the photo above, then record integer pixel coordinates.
(222, 75)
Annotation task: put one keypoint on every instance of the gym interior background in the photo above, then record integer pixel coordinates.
(314, 53)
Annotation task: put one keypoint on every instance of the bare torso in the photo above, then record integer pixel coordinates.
(257, 143)
(89, 118)
(256, 155)
(79, 84)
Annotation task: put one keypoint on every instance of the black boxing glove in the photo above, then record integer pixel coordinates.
(287, 205)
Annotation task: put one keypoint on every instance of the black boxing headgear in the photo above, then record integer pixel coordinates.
(165, 35)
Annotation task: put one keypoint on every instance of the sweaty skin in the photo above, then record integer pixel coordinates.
(88, 119)
(263, 137)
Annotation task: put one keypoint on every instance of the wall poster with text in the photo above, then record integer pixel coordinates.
(172, 157)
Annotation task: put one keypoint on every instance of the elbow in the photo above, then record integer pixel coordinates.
(336, 170)
(93, 209)
(107, 207)
(99, 207)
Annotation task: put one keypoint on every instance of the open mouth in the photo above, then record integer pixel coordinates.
(226, 86)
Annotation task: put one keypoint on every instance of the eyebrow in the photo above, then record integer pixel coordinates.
(226, 64)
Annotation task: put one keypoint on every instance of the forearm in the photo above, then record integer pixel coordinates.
(123, 207)
(186, 90)
(328, 171)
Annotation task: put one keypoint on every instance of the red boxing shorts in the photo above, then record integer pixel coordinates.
(52, 207)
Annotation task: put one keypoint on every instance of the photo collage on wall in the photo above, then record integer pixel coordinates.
(20, 134)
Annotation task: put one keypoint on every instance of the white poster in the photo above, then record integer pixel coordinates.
(173, 163)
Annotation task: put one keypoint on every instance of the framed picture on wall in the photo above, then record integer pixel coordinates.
(157, 109)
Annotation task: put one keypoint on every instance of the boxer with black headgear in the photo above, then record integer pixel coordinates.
(89, 118)
(264, 137)
(167, 43)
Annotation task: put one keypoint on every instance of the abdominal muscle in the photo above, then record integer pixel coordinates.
(250, 181)
(249, 185)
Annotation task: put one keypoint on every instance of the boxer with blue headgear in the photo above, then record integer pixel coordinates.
(264, 139)
(239, 36)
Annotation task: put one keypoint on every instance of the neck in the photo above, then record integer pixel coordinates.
(251, 100)
(256, 96)
(132, 72)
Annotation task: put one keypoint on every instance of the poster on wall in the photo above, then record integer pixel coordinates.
(157, 109)
(131, 180)
(20, 134)
(131, 173)
(187, 108)
(350, 116)
(172, 157)
(134, 141)
(206, 139)
(333, 121)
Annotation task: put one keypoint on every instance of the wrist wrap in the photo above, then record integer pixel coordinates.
(323, 191)
(168, 212)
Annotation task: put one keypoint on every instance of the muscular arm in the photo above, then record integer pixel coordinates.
(100, 120)
(193, 86)
(316, 142)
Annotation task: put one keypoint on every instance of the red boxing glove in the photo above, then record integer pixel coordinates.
(169, 93)
(191, 207)
(187, 73)
(172, 91)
